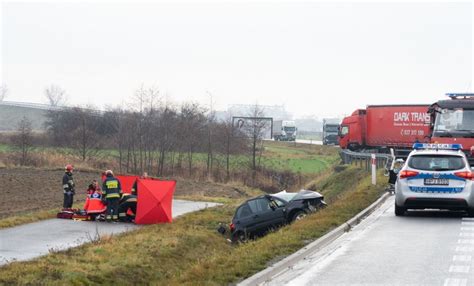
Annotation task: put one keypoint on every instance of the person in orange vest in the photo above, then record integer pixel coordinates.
(94, 205)
(93, 187)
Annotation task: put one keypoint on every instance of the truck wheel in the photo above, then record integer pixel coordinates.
(299, 215)
(399, 211)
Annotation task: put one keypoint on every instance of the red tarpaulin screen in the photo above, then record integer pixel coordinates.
(127, 182)
(155, 200)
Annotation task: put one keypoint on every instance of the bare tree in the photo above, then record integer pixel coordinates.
(23, 140)
(85, 139)
(255, 129)
(55, 95)
(3, 91)
(210, 126)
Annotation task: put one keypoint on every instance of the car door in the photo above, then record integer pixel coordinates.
(279, 212)
(244, 219)
(268, 216)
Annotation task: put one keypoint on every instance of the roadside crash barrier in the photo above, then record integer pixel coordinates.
(364, 160)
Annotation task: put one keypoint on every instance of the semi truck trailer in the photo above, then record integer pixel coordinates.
(385, 126)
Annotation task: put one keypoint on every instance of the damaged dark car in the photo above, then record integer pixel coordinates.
(258, 215)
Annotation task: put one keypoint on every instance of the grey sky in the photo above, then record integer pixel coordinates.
(316, 58)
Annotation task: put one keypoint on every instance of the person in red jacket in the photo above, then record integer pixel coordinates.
(93, 187)
(94, 205)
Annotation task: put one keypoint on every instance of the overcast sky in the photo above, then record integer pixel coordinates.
(315, 58)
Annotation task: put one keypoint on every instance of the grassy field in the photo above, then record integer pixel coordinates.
(281, 156)
(190, 251)
(299, 158)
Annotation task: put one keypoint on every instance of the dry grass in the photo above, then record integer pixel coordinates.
(189, 251)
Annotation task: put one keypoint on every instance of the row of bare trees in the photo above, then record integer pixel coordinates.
(151, 136)
(161, 139)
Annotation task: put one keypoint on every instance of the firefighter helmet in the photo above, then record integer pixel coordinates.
(69, 168)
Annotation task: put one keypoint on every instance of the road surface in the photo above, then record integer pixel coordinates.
(31, 240)
(422, 248)
(315, 142)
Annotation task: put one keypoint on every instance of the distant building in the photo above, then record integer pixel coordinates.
(12, 112)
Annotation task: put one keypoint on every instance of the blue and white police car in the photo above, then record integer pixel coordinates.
(435, 176)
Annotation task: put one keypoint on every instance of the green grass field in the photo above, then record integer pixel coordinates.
(299, 158)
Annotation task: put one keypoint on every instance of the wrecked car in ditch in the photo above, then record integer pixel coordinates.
(257, 216)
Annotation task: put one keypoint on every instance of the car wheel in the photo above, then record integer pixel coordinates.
(399, 211)
(470, 212)
(241, 237)
(299, 215)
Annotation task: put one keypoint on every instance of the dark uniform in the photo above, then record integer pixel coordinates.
(68, 189)
(135, 188)
(127, 202)
(112, 192)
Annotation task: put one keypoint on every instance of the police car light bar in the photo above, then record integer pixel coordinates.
(419, 146)
(456, 95)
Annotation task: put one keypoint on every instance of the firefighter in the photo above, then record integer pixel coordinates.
(135, 188)
(68, 187)
(128, 208)
(112, 192)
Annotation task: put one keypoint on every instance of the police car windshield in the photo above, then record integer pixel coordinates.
(436, 162)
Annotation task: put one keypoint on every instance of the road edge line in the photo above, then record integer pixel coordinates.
(289, 261)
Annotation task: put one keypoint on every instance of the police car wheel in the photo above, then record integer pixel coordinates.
(399, 211)
(470, 212)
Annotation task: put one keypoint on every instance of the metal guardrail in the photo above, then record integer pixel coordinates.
(363, 159)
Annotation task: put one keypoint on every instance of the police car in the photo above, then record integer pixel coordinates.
(435, 176)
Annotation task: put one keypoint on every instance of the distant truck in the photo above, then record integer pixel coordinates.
(385, 126)
(284, 130)
(330, 131)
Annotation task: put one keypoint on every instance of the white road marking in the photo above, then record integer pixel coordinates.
(467, 223)
(463, 258)
(466, 241)
(464, 248)
(459, 268)
(467, 228)
(466, 234)
(455, 282)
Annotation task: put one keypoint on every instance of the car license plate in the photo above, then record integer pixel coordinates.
(433, 181)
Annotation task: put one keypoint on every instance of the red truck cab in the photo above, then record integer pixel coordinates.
(352, 130)
(452, 121)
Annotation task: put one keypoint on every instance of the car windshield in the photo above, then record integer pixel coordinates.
(454, 120)
(436, 162)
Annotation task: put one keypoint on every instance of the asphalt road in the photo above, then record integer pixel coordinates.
(315, 142)
(422, 248)
(31, 240)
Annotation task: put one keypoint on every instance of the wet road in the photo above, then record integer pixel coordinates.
(422, 248)
(35, 239)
